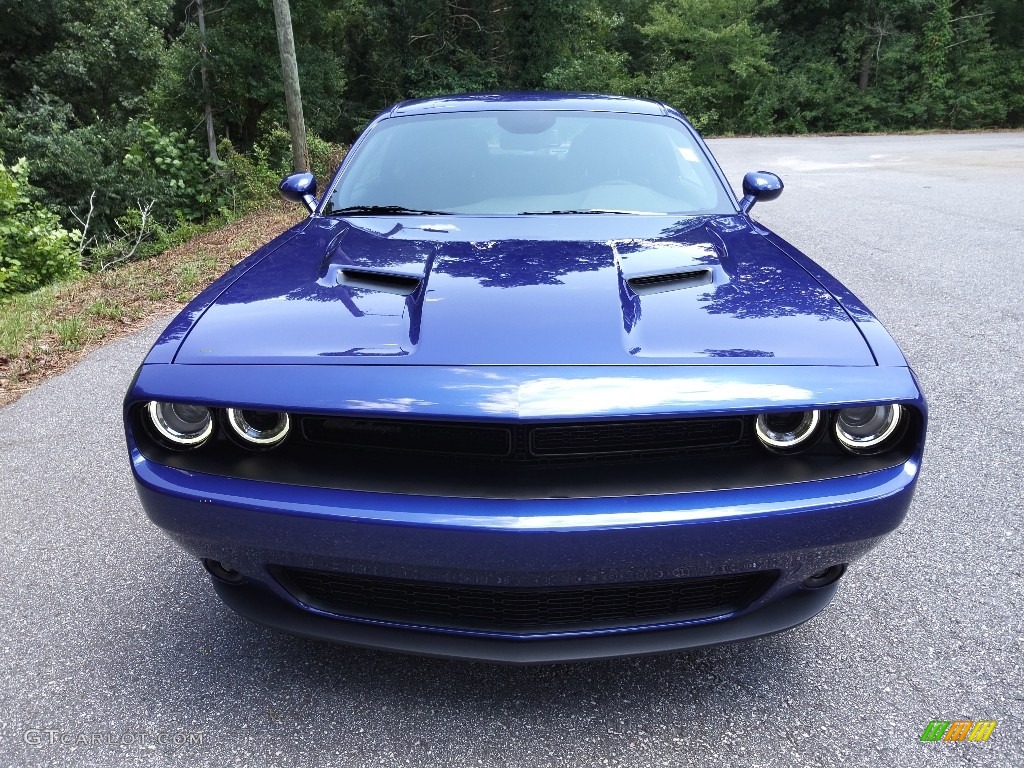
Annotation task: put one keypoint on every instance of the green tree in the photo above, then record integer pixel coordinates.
(244, 70)
(97, 56)
(937, 39)
(593, 62)
(1007, 30)
(713, 60)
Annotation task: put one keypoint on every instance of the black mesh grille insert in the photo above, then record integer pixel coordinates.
(415, 436)
(523, 609)
(528, 443)
(629, 436)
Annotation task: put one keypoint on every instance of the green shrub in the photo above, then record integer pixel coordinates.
(71, 162)
(177, 175)
(250, 178)
(324, 158)
(110, 168)
(34, 248)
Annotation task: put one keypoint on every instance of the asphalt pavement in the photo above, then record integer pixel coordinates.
(115, 651)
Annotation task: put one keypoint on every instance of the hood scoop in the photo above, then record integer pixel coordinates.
(670, 281)
(378, 280)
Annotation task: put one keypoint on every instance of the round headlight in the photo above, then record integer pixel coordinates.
(787, 430)
(259, 429)
(868, 429)
(181, 425)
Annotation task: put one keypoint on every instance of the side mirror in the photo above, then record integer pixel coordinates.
(757, 186)
(300, 188)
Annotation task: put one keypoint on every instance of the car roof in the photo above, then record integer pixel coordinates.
(528, 100)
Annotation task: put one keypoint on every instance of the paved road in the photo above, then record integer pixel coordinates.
(107, 629)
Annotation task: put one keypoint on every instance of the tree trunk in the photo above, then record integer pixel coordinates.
(865, 69)
(248, 130)
(290, 76)
(211, 137)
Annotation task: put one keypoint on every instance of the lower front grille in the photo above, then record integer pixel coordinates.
(523, 609)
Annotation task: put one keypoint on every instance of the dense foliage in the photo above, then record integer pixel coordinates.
(106, 101)
(34, 248)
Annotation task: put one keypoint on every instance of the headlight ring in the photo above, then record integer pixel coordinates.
(257, 428)
(787, 431)
(180, 425)
(869, 429)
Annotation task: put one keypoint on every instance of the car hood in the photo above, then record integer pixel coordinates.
(545, 290)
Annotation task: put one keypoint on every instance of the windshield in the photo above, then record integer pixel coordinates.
(529, 162)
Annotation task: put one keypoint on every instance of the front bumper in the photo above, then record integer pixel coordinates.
(796, 530)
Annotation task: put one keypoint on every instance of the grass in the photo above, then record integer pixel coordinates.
(72, 332)
(107, 309)
(44, 332)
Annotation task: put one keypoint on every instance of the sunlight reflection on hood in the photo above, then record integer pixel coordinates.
(607, 394)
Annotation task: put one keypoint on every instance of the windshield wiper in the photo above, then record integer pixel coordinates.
(577, 210)
(383, 210)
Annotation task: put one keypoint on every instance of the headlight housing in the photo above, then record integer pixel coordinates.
(258, 429)
(869, 429)
(180, 425)
(787, 431)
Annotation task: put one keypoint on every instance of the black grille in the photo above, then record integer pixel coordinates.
(533, 443)
(631, 436)
(415, 436)
(523, 609)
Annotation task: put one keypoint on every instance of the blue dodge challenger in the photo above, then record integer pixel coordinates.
(529, 384)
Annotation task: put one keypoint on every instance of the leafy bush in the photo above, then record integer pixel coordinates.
(110, 168)
(171, 170)
(274, 154)
(70, 160)
(324, 158)
(34, 248)
(251, 178)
